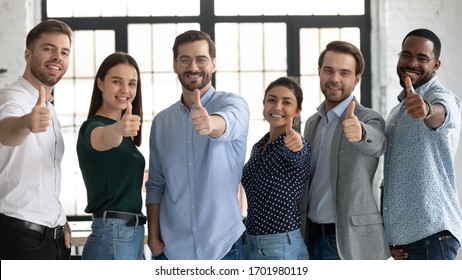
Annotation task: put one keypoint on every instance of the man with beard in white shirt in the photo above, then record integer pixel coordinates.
(32, 219)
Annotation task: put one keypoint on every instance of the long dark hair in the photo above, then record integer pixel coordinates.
(97, 98)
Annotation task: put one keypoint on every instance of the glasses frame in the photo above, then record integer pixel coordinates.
(183, 61)
(421, 59)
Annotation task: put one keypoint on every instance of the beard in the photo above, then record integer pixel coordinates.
(45, 78)
(191, 86)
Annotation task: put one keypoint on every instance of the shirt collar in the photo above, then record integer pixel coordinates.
(204, 99)
(32, 89)
(337, 110)
(278, 140)
(419, 90)
(207, 96)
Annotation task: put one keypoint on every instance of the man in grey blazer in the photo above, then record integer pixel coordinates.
(340, 217)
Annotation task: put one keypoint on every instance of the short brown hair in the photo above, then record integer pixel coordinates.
(344, 47)
(192, 36)
(47, 26)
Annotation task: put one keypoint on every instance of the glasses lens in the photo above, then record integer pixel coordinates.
(202, 61)
(421, 59)
(405, 57)
(185, 61)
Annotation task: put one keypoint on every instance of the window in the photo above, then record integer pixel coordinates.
(257, 41)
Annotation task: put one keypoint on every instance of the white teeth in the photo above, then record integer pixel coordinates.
(122, 98)
(54, 68)
(276, 116)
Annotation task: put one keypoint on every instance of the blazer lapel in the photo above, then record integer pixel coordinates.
(310, 129)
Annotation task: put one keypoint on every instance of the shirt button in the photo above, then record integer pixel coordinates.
(190, 163)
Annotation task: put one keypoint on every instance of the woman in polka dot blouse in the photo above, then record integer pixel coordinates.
(274, 178)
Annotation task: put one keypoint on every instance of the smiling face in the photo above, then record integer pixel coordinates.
(280, 104)
(194, 77)
(117, 89)
(419, 72)
(337, 77)
(48, 58)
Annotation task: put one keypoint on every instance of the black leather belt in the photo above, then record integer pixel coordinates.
(54, 233)
(323, 228)
(130, 218)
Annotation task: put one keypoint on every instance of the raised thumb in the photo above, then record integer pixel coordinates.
(128, 110)
(42, 97)
(350, 110)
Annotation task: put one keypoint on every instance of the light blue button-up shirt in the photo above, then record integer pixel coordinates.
(420, 191)
(195, 178)
(320, 197)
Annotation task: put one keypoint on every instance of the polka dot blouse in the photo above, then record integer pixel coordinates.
(274, 183)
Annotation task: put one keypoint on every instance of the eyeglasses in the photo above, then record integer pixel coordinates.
(421, 59)
(201, 61)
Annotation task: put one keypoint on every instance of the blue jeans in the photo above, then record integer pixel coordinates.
(111, 239)
(439, 246)
(323, 246)
(281, 246)
(235, 253)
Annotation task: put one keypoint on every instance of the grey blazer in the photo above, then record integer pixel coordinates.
(359, 224)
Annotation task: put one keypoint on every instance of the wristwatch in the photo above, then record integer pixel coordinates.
(430, 110)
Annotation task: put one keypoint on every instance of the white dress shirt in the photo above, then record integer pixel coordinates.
(30, 174)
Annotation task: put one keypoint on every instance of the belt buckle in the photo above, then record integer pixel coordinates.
(58, 232)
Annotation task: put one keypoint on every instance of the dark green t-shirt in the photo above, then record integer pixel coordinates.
(113, 178)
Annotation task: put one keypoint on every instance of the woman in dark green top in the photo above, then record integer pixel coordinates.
(112, 166)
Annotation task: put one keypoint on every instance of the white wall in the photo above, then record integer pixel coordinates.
(16, 18)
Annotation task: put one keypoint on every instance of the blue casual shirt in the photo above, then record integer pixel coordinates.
(420, 191)
(195, 178)
(273, 183)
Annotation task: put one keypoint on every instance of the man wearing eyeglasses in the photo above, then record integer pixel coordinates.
(422, 215)
(197, 152)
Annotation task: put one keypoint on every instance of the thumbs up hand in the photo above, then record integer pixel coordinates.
(129, 125)
(414, 103)
(200, 117)
(293, 139)
(351, 127)
(38, 119)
